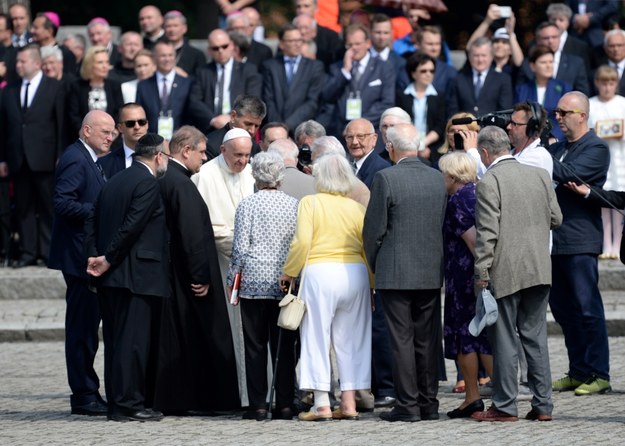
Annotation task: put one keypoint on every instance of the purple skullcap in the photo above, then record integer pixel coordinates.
(98, 20)
(53, 17)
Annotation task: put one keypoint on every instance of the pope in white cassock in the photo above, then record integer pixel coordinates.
(223, 182)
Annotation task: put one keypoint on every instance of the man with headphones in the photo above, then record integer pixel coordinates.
(526, 125)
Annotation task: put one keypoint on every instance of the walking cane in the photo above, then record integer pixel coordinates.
(275, 372)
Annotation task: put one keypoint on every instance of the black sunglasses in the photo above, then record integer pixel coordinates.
(131, 123)
(219, 47)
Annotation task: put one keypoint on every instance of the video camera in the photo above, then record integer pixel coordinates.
(499, 119)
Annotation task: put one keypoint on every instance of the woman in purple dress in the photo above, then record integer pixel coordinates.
(460, 173)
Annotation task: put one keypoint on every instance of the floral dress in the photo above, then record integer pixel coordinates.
(459, 288)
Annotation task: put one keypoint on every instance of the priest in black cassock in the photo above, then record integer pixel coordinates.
(196, 369)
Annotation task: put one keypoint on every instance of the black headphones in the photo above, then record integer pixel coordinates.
(533, 125)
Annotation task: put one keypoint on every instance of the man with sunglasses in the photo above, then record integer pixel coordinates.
(132, 125)
(220, 82)
(576, 304)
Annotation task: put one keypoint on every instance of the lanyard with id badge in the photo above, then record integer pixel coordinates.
(166, 125)
(354, 106)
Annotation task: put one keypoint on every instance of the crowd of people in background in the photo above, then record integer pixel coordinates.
(361, 164)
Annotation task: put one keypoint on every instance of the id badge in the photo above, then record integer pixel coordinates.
(166, 127)
(354, 109)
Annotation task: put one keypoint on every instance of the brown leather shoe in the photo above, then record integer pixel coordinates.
(492, 414)
(535, 416)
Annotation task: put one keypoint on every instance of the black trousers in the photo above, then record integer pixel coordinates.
(33, 200)
(82, 322)
(130, 326)
(414, 318)
(259, 318)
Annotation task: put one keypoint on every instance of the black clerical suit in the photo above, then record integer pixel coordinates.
(128, 227)
(196, 366)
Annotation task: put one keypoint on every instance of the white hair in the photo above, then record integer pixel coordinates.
(327, 145)
(267, 169)
(397, 113)
(334, 175)
(286, 148)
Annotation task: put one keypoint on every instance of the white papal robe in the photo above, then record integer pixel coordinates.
(222, 191)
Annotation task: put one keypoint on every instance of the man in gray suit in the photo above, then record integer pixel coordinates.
(295, 183)
(403, 241)
(516, 208)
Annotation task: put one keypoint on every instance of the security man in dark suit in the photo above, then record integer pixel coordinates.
(31, 139)
(131, 125)
(220, 82)
(78, 181)
(127, 247)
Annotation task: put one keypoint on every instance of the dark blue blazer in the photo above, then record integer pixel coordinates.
(444, 75)
(295, 103)
(370, 167)
(554, 91)
(600, 10)
(399, 63)
(376, 87)
(587, 159)
(571, 70)
(115, 161)
(179, 101)
(496, 93)
(77, 184)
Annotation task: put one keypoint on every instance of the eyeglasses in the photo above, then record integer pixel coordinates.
(563, 113)
(131, 123)
(219, 47)
(425, 70)
(517, 124)
(359, 137)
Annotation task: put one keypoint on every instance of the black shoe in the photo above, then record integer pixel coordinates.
(286, 413)
(394, 415)
(94, 409)
(475, 406)
(21, 263)
(140, 415)
(384, 401)
(429, 416)
(364, 409)
(258, 415)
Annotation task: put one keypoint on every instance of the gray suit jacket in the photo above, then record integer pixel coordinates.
(516, 208)
(297, 184)
(402, 234)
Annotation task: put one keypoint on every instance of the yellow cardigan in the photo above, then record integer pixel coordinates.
(334, 237)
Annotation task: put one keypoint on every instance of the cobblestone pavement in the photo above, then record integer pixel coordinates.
(34, 409)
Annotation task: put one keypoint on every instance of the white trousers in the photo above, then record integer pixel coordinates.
(338, 312)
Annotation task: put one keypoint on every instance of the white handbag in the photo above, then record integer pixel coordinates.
(292, 309)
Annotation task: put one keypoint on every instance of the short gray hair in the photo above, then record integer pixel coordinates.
(309, 128)
(612, 33)
(286, 148)
(396, 112)
(404, 138)
(559, 10)
(481, 41)
(494, 140)
(327, 145)
(267, 169)
(246, 104)
(51, 51)
(334, 175)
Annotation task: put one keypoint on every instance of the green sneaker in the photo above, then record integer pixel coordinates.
(566, 383)
(594, 385)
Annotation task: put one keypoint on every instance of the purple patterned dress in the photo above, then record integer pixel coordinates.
(459, 291)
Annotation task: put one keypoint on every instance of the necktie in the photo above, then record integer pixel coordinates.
(164, 96)
(478, 85)
(101, 170)
(290, 66)
(220, 89)
(25, 105)
(355, 72)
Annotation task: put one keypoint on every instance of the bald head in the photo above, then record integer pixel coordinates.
(97, 131)
(220, 47)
